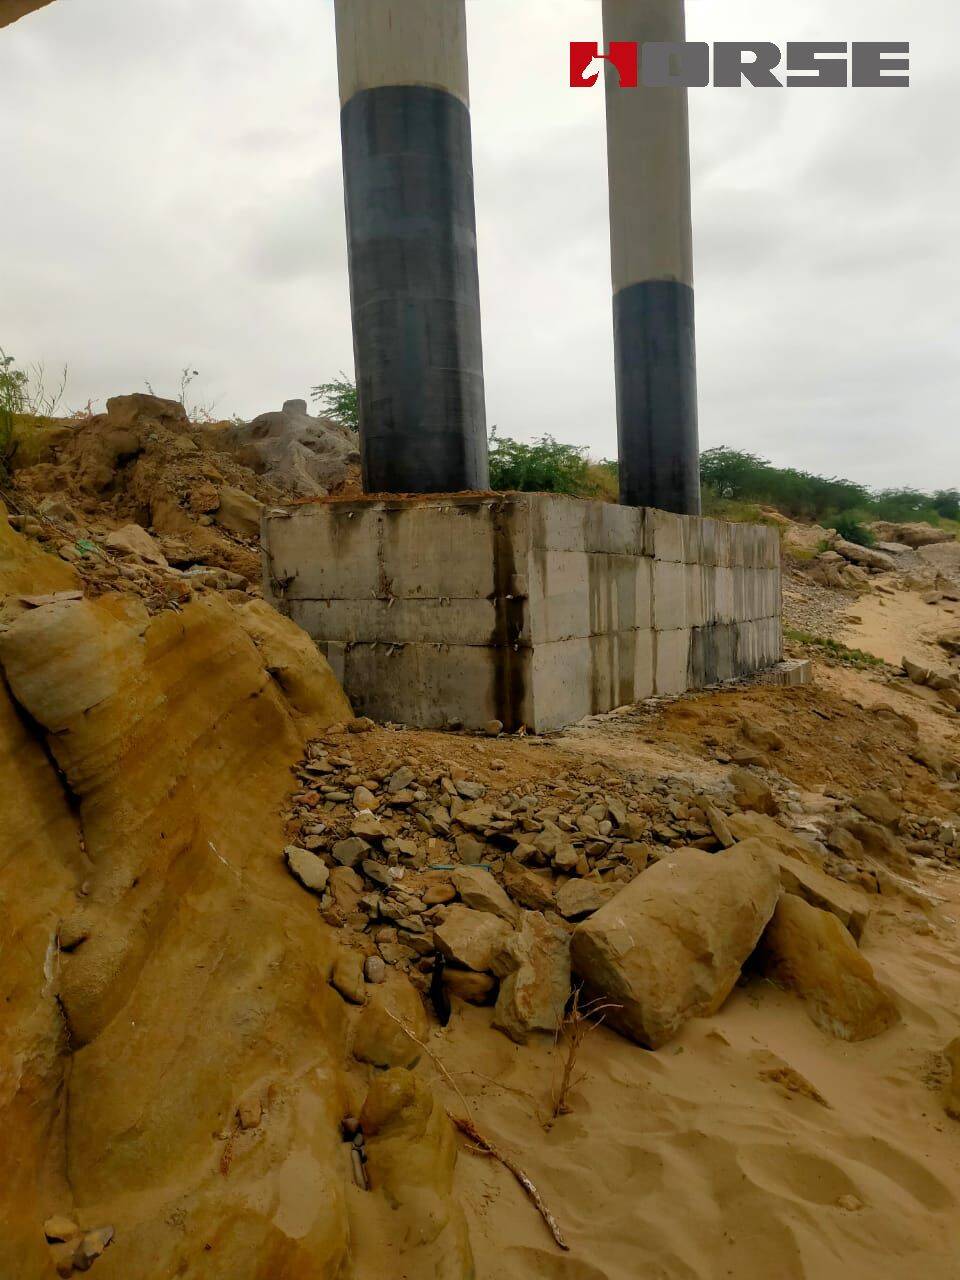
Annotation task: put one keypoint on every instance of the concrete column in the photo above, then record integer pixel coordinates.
(648, 149)
(411, 230)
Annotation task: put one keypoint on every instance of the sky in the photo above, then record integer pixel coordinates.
(172, 196)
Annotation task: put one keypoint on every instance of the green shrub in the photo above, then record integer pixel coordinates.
(834, 649)
(849, 527)
(545, 466)
(733, 475)
(13, 402)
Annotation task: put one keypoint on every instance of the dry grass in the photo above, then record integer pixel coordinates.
(580, 1019)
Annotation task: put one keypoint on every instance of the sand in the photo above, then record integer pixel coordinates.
(900, 626)
(755, 1146)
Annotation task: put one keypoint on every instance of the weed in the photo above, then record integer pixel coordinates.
(850, 528)
(834, 649)
(576, 1024)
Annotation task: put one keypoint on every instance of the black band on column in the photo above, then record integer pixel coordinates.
(411, 227)
(657, 396)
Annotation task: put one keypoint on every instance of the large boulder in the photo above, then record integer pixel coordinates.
(298, 452)
(411, 1149)
(910, 535)
(478, 889)
(536, 988)
(132, 540)
(239, 512)
(811, 952)
(670, 946)
(169, 747)
(866, 557)
(751, 792)
(24, 568)
(791, 844)
(851, 906)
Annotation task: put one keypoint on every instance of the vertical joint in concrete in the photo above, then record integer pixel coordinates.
(648, 151)
(412, 240)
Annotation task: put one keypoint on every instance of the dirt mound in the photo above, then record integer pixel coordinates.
(142, 462)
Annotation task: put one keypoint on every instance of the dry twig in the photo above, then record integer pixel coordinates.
(482, 1144)
(470, 1130)
(431, 1055)
(575, 1025)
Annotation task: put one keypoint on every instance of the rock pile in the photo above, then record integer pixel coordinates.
(142, 500)
(509, 895)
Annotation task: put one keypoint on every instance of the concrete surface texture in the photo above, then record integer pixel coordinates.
(531, 609)
(402, 42)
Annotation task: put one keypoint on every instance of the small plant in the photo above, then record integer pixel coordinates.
(196, 411)
(576, 1024)
(339, 401)
(13, 393)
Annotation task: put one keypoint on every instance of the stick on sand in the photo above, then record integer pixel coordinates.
(470, 1130)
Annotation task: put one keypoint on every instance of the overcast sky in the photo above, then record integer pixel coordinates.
(171, 194)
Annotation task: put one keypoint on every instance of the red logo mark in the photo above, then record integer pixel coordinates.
(624, 55)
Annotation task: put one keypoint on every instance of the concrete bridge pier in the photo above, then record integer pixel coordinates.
(648, 148)
(411, 230)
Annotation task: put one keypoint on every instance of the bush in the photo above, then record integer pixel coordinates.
(13, 402)
(339, 401)
(545, 466)
(732, 475)
(850, 528)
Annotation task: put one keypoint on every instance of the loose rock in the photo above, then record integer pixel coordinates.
(471, 938)
(810, 951)
(379, 1040)
(306, 867)
(536, 988)
(479, 890)
(579, 898)
(347, 976)
(670, 945)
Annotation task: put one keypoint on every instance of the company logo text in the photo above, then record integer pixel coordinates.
(692, 65)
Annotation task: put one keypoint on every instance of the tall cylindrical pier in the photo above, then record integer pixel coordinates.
(411, 230)
(648, 150)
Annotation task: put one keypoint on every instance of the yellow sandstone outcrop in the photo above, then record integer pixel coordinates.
(161, 971)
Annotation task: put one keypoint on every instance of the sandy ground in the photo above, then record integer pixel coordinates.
(754, 1146)
(900, 626)
(691, 1163)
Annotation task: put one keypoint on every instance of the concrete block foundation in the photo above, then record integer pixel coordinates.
(532, 609)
